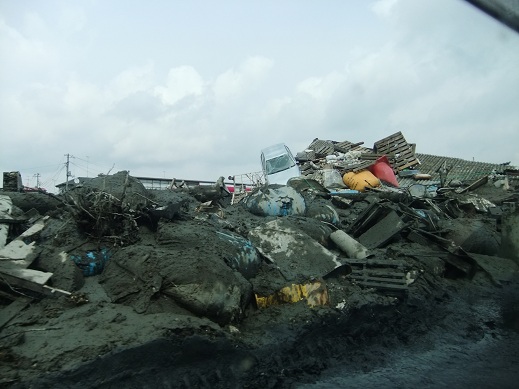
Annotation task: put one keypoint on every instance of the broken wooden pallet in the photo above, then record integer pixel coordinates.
(384, 275)
(397, 145)
(322, 148)
(344, 147)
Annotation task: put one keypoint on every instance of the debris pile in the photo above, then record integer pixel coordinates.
(125, 266)
(356, 164)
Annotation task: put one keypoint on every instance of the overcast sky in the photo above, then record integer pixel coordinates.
(195, 89)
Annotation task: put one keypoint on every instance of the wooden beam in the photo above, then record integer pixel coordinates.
(24, 278)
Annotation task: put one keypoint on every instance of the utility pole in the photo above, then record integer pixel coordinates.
(37, 175)
(67, 164)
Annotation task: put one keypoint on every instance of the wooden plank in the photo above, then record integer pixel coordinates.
(378, 273)
(382, 279)
(393, 150)
(382, 285)
(346, 146)
(18, 250)
(24, 278)
(405, 156)
(11, 221)
(396, 135)
(34, 229)
(404, 159)
(476, 184)
(362, 166)
(409, 164)
(16, 263)
(397, 150)
(377, 155)
(376, 262)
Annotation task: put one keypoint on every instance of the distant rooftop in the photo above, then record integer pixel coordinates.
(462, 170)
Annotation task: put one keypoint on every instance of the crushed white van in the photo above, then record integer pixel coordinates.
(279, 165)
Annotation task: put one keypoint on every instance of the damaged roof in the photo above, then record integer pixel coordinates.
(460, 169)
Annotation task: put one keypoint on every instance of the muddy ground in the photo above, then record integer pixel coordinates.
(174, 304)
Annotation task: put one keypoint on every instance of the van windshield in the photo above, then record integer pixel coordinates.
(278, 164)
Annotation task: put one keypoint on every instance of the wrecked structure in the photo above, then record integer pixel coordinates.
(112, 283)
(12, 181)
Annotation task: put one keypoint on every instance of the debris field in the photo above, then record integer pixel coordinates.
(110, 283)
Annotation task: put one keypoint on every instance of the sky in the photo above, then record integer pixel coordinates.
(195, 89)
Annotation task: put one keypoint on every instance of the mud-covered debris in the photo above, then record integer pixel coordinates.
(386, 275)
(182, 272)
(242, 256)
(348, 245)
(275, 201)
(214, 193)
(297, 256)
(383, 231)
(210, 207)
(332, 179)
(324, 212)
(6, 206)
(12, 182)
(314, 293)
(305, 186)
(187, 266)
(78, 298)
(510, 232)
(107, 207)
(500, 270)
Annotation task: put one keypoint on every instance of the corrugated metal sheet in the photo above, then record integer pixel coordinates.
(465, 171)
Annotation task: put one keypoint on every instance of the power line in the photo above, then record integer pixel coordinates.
(54, 177)
(90, 163)
(37, 167)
